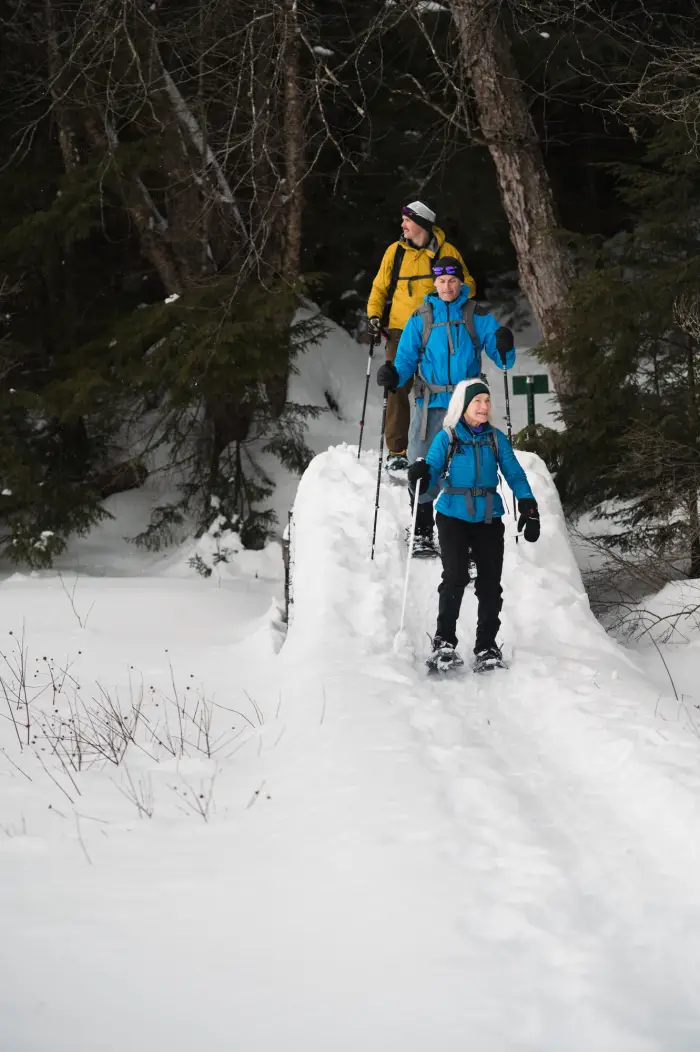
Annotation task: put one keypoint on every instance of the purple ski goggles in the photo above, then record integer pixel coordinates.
(406, 211)
(450, 268)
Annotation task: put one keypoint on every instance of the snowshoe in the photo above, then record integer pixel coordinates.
(488, 658)
(424, 546)
(444, 657)
(396, 467)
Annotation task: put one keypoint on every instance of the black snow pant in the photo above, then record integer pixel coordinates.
(484, 543)
(425, 520)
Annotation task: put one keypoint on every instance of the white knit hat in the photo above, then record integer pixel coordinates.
(420, 214)
(461, 397)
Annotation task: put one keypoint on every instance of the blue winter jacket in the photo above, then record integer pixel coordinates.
(437, 365)
(463, 470)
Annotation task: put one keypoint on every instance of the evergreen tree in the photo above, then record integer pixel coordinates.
(632, 454)
(164, 151)
(148, 310)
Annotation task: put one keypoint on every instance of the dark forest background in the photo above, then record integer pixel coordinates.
(176, 176)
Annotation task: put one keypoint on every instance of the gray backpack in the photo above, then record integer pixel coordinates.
(425, 311)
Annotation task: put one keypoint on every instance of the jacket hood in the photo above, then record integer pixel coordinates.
(439, 235)
(434, 245)
(454, 417)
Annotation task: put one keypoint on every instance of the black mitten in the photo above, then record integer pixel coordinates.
(387, 377)
(419, 475)
(529, 518)
(504, 342)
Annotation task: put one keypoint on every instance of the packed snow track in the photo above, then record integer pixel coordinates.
(554, 815)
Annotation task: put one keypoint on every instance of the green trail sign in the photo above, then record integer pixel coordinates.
(530, 386)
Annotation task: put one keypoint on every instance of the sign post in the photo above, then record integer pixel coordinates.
(530, 386)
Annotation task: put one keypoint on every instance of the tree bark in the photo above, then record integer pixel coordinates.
(693, 534)
(66, 131)
(142, 212)
(546, 268)
(293, 145)
(291, 215)
(693, 511)
(129, 474)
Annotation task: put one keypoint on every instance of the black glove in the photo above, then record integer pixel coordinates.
(529, 518)
(419, 475)
(504, 342)
(387, 377)
(374, 326)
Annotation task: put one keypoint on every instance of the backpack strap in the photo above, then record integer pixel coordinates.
(425, 311)
(468, 311)
(455, 446)
(494, 446)
(410, 278)
(393, 281)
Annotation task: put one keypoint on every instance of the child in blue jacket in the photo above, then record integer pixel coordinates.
(465, 457)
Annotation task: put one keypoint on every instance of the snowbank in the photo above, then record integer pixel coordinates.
(307, 844)
(332, 531)
(671, 615)
(572, 799)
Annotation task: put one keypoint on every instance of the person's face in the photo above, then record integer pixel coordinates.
(413, 232)
(478, 410)
(448, 287)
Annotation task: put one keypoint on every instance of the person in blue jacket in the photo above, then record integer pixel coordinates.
(464, 458)
(442, 344)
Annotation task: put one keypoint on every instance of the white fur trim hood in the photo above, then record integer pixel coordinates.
(455, 410)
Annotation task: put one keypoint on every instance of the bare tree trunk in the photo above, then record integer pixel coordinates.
(694, 536)
(126, 475)
(69, 151)
(293, 145)
(545, 266)
(60, 266)
(144, 215)
(66, 133)
(693, 512)
(291, 217)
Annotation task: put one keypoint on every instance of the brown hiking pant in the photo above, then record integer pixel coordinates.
(398, 407)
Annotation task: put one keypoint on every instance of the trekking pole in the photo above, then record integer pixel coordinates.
(510, 433)
(379, 469)
(410, 553)
(372, 343)
(505, 387)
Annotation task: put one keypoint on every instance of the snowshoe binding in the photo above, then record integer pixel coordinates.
(424, 546)
(444, 657)
(488, 658)
(396, 467)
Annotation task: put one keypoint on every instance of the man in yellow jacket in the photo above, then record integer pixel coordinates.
(403, 280)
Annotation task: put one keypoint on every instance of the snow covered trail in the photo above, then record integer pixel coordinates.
(383, 861)
(570, 808)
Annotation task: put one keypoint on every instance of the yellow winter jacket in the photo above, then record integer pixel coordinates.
(415, 280)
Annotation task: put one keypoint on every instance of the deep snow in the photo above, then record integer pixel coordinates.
(368, 859)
